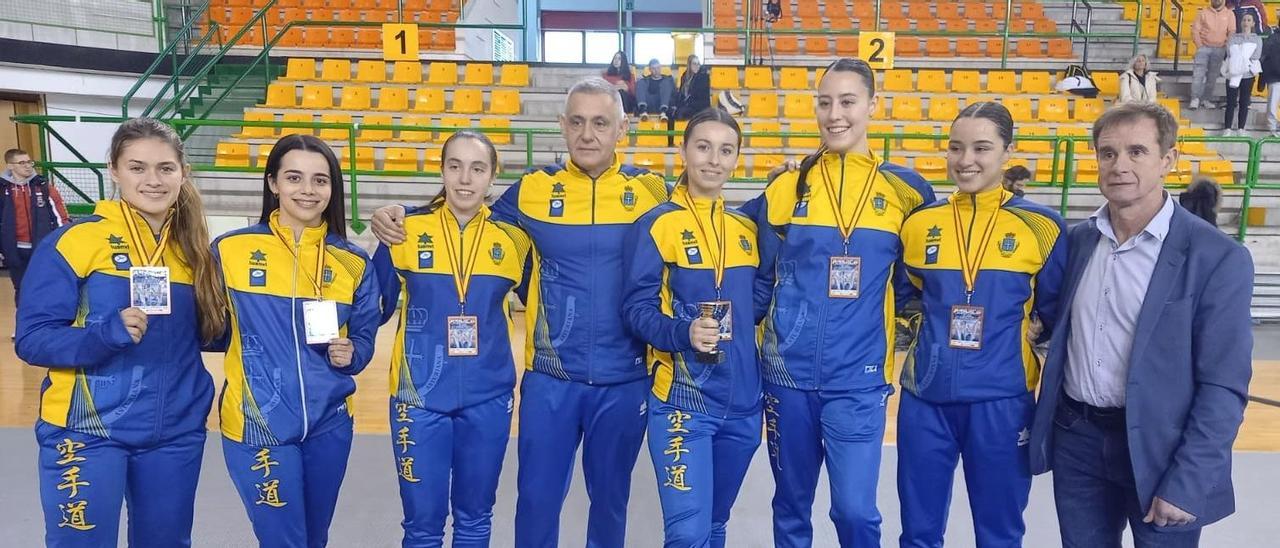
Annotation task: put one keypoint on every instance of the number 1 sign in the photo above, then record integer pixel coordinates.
(399, 42)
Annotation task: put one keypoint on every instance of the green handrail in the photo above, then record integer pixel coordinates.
(171, 50)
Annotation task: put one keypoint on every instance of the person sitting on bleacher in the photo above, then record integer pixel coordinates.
(694, 93)
(623, 79)
(655, 92)
(1138, 83)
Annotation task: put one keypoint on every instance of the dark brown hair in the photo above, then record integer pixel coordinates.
(335, 213)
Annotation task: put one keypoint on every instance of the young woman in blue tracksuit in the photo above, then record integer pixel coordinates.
(304, 311)
(828, 245)
(984, 263)
(690, 277)
(452, 370)
(123, 409)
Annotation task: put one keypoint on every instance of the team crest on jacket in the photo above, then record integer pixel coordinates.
(878, 203)
(744, 243)
(802, 206)
(257, 268)
(932, 242)
(628, 198)
(496, 253)
(426, 251)
(326, 279)
(557, 200)
(1008, 245)
(119, 252)
(691, 247)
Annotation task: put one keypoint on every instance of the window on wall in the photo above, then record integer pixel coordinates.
(562, 46)
(658, 46)
(601, 46)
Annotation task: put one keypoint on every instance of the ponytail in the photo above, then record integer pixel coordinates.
(802, 182)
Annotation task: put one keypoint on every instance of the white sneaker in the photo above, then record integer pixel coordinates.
(1275, 133)
(1195, 104)
(644, 116)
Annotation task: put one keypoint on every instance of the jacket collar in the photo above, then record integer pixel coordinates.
(311, 235)
(574, 169)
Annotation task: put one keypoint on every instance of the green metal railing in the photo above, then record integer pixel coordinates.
(1063, 175)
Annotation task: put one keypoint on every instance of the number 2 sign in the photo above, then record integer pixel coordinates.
(876, 48)
(399, 42)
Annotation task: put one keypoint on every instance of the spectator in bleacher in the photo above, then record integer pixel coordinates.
(693, 95)
(1210, 30)
(1138, 83)
(30, 209)
(623, 79)
(1202, 197)
(1270, 76)
(654, 93)
(1255, 7)
(1016, 179)
(1244, 50)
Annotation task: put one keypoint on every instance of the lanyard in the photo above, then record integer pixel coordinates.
(717, 259)
(837, 201)
(971, 265)
(297, 256)
(461, 274)
(157, 254)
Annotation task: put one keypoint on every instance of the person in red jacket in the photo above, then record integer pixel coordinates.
(31, 208)
(623, 79)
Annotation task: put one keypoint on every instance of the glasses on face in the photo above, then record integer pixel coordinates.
(26, 163)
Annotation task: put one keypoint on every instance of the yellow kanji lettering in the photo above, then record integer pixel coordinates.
(71, 480)
(402, 439)
(269, 494)
(675, 448)
(68, 449)
(677, 418)
(263, 462)
(73, 516)
(675, 478)
(402, 413)
(406, 470)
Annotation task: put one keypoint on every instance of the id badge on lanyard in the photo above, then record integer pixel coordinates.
(149, 289)
(844, 277)
(463, 335)
(320, 321)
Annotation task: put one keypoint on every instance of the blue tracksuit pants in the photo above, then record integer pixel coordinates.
(557, 415)
(449, 462)
(846, 429)
(84, 479)
(699, 461)
(290, 491)
(992, 436)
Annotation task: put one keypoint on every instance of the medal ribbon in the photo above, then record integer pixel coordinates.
(837, 201)
(156, 256)
(971, 265)
(717, 260)
(461, 274)
(297, 256)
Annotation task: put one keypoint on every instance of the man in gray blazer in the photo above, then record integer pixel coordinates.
(1145, 384)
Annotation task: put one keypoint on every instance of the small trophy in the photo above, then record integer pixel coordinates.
(714, 310)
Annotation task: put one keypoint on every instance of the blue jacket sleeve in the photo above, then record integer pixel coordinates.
(362, 324)
(768, 242)
(641, 304)
(388, 282)
(903, 290)
(1049, 280)
(507, 208)
(45, 334)
(223, 341)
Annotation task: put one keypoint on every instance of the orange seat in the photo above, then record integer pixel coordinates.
(847, 46)
(727, 45)
(937, 45)
(1060, 48)
(947, 10)
(969, 47)
(928, 24)
(343, 37)
(817, 45)
(907, 46)
(1028, 47)
(786, 44)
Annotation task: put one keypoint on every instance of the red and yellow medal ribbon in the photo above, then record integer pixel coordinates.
(297, 256)
(969, 264)
(156, 255)
(717, 258)
(836, 200)
(461, 266)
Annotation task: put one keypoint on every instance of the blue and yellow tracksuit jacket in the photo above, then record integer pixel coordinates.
(422, 373)
(279, 389)
(577, 225)
(669, 270)
(1021, 274)
(99, 381)
(811, 340)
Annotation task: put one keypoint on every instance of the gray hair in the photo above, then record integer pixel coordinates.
(599, 86)
(1135, 58)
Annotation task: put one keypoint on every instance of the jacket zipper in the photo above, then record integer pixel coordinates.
(822, 321)
(297, 352)
(591, 362)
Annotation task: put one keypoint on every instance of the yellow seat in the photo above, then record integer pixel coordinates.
(877, 135)
(1197, 148)
(1182, 172)
(231, 155)
(765, 142)
(364, 158)
(762, 104)
(758, 78)
(264, 154)
(966, 81)
(317, 97)
(451, 122)
(1002, 81)
(1108, 83)
(442, 73)
(300, 69)
(416, 136)
(1086, 171)
(335, 70)
(898, 80)
(934, 81)
(878, 112)
(1082, 145)
(907, 107)
(943, 109)
(355, 97)
(1043, 147)
(1036, 82)
(375, 134)
(652, 161)
(1222, 171)
(1054, 109)
(390, 98)
(740, 170)
(280, 95)
(406, 72)
(498, 138)
(923, 145)
(255, 132)
(724, 78)
(478, 74)
(430, 100)
(798, 105)
(651, 140)
(296, 117)
(761, 164)
(679, 128)
(334, 134)
(467, 101)
(932, 168)
(804, 143)
(1088, 110)
(1019, 107)
(793, 78)
(504, 101)
(369, 70)
(1171, 103)
(515, 75)
(401, 159)
(432, 159)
